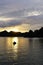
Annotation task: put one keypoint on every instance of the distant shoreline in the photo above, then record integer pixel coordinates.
(30, 34)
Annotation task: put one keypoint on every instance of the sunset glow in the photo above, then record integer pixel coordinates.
(14, 29)
(20, 28)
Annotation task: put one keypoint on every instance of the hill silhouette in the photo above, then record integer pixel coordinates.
(30, 34)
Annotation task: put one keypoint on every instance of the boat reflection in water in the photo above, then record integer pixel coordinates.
(12, 47)
(14, 43)
(15, 40)
(15, 47)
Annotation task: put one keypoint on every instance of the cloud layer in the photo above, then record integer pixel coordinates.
(16, 12)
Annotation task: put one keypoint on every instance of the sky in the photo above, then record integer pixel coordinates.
(25, 13)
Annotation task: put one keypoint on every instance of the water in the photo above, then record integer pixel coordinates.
(26, 51)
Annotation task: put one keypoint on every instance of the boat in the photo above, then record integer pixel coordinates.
(14, 42)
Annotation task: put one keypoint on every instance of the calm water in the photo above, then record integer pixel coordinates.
(26, 51)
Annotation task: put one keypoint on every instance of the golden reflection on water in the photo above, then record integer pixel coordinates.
(15, 47)
(15, 39)
(13, 51)
(11, 47)
(8, 43)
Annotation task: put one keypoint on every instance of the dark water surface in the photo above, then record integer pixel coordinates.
(26, 51)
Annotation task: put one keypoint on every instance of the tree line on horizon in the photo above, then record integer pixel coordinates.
(31, 34)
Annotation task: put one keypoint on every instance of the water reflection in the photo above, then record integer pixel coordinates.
(8, 43)
(10, 49)
(29, 51)
(15, 39)
(15, 47)
(41, 40)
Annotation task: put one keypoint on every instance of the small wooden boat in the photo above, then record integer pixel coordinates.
(14, 42)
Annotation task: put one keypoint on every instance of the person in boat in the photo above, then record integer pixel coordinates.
(14, 42)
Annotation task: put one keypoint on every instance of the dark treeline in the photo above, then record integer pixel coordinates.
(31, 34)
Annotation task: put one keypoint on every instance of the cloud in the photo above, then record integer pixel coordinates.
(15, 12)
(36, 26)
(6, 19)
